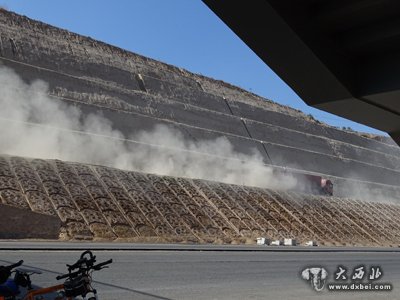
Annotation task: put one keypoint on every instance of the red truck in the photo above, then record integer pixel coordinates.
(307, 183)
(319, 185)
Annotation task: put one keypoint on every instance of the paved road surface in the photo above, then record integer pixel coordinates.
(170, 274)
(57, 245)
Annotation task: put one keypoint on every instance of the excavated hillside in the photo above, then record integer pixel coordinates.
(106, 203)
(135, 94)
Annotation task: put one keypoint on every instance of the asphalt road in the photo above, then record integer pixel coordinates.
(208, 274)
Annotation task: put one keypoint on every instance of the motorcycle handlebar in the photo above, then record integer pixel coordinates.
(83, 260)
(83, 270)
(78, 264)
(5, 271)
(100, 265)
(92, 257)
(73, 274)
(10, 267)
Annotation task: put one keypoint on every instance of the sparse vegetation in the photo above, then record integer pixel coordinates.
(348, 128)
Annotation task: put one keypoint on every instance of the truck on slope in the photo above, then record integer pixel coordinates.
(307, 183)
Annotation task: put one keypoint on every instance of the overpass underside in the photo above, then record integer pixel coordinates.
(338, 56)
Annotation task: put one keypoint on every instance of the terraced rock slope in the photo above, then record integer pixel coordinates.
(136, 93)
(96, 202)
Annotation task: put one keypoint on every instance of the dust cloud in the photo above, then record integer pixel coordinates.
(33, 124)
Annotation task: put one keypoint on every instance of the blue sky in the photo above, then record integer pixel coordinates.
(184, 33)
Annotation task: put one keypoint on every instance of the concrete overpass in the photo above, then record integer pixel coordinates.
(339, 56)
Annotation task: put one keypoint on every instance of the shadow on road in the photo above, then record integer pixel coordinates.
(148, 295)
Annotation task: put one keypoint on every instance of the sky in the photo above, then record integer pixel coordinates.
(184, 33)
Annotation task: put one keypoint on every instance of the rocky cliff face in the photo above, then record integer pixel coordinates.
(136, 93)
